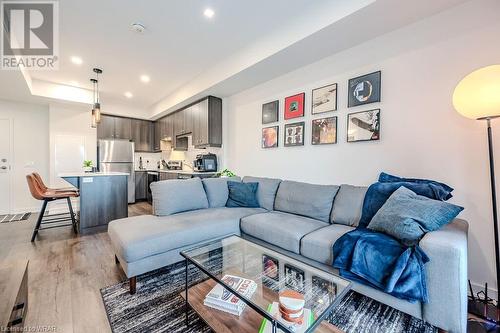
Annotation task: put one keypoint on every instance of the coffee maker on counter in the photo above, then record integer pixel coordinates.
(205, 163)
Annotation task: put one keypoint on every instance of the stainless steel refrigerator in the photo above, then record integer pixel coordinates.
(118, 156)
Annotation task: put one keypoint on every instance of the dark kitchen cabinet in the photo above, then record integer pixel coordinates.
(142, 135)
(207, 123)
(106, 128)
(114, 128)
(167, 127)
(141, 185)
(178, 118)
(157, 136)
(123, 128)
(188, 119)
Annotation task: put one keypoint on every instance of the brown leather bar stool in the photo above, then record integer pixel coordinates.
(40, 192)
(38, 178)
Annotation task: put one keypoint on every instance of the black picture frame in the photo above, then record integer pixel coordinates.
(318, 142)
(314, 101)
(270, 112)
(263, 144)
(266, 259)
(294, 136)
(350, 125)
(294, 278)
(360, 84)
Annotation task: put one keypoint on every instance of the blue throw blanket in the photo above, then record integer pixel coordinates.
(379, 260)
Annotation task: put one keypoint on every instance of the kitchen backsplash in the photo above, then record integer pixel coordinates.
(167, 154)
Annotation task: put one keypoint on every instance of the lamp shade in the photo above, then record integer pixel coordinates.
(478, 94)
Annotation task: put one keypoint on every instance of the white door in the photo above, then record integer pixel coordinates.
(5, 165)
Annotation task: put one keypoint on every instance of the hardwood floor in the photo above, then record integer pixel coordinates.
(66, 272)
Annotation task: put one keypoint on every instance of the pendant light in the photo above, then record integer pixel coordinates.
(94, 118)
(96, 108)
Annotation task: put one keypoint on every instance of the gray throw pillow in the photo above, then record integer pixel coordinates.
(216, 189)
(178, 195)
(348, 205)
(407, 216)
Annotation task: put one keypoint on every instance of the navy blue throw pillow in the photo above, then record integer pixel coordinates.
(407, 216)
(387, 178)
(242, 195)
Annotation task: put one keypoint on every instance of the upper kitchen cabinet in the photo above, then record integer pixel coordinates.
(207, 123)
(157, 136)
(112, 127)
(142, 135)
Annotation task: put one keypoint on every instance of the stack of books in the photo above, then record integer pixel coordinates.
(222, 299)
(296, 327)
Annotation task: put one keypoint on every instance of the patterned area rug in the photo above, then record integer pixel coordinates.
(158, 307)
(14, 217)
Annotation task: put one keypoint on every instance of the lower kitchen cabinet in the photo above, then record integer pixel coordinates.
(141, 185)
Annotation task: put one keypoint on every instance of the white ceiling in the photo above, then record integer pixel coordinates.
(187, 55)
(178, 45)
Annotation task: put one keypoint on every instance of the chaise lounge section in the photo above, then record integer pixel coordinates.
(298, 219)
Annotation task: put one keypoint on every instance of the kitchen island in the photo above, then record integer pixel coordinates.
(103, 198)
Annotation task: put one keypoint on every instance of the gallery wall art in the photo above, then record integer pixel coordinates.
(270, 137)
(294, 106)
(324, 99)
(294, 134)
(324, 131)
(363, 126)
(270, 112)
(364, 89)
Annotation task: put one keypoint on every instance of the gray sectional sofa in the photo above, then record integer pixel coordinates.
(298, 219)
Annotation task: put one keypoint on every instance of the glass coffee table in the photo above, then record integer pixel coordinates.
(272, 273)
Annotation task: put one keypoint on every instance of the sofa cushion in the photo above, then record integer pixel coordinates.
(348, 205)
(318, 245)
(280, 229)
(242, 195)
(178, 195)
(216, 190)
(304, 199)
(266, 192)
(138, 237)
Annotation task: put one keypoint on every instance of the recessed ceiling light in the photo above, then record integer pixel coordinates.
(128, 94)
(145, 78)
(76, 60)
(209, 12)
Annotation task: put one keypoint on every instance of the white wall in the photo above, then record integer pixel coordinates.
(421, 134)
(30, 149)
(72, 121)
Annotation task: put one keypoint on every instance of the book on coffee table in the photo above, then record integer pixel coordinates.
(222, 299)
(273, 309)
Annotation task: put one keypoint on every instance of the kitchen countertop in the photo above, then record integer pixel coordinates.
(90, 174)
(182, 172)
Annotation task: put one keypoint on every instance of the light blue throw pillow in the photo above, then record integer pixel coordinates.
(407, 216)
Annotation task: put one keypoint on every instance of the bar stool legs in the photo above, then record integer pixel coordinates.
(73, 220)
(39, 220)
(55, 219)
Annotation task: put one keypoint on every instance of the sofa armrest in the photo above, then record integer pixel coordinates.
(447, 277)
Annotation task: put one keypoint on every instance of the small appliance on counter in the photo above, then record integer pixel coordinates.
(205, 163)
(173, 165)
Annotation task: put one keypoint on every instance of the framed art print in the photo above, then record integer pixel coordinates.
(294, 134)
(270, 137)
(363, 126)
(324, 131)
(364, 89)
(294, 106)
(270, 112)
(324, 99)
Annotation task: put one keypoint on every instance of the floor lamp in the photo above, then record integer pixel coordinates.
(477, 96)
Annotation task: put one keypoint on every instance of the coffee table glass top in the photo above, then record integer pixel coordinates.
(273, 273)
